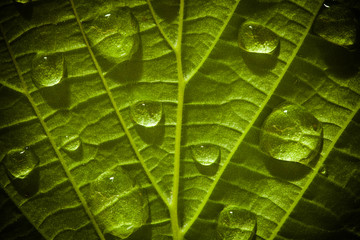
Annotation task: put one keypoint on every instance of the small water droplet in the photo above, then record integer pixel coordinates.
(147, 114)
(118, 204)
(337, 25)
(205, 154)
(115, 35)
(294, 135)
(323, 171)
(47, 70)
(72, 143)
(235, 223)
(20, 163)
(256, 38)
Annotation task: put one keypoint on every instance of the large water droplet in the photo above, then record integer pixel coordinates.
(235, 223)
(256, 38)
(23, 1)
(115, 35)
(270, 1)
(20, 163)
(72, 143)
(290, 133)
(336, 24)
(205, 154)
(118, 203)
(47, 70)
(147, 114)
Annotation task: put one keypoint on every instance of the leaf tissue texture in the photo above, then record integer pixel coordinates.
(152, 111)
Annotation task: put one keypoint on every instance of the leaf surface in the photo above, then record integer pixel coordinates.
(211, 93)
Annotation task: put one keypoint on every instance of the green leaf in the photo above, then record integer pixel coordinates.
(177, 116)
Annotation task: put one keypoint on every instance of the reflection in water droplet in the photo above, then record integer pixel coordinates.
(235, 223)
(294, 135)
(206, 154)
(20, 163)
(118, 204)
(115, 35)
(336, 24)
(47, 70)
(147, 114)
(256, 38)
(72, 143)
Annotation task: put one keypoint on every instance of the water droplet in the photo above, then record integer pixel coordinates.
(337, 25)
(23, 1)
(235, 223)
(47, 70)
(115, 35)
(72, 143)
(270, 1)
(118, 203)
(323, 171)
(147, 114)
(294, 135)
(20, 163)
(256, 38)
(205, 154)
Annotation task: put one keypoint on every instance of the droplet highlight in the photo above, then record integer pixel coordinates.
(115, 35)
(290, 133)
(20, 163)
(147, 114)
(118, 204)
(47, 70)
(235, 223)
(72, 143)
(205, 154)
(337, 25)
(256, 38)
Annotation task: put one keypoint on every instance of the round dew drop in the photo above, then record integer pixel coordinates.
(147, 114)
(256, 38)
(118, 204)
(206, 154)
(20, 163)
(290, 133)
(235, 223)
(47, 70)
